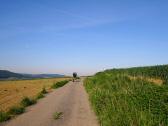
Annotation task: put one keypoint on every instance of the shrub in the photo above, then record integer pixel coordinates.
(59, 84)
(4, 116)
(57, 115)
(27, 102)
(75, 75)
(16, 110)
(44, 91)
(40, 95)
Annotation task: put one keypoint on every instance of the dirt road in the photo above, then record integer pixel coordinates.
(71, 100)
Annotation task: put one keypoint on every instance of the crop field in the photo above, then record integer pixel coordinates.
(11, 92)
(130, 97)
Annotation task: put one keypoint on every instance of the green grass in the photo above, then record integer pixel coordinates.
(16, 110)
(77, 77)
(27, 102)
(57, 115)
(41, 94)
(59, 84)
(44, 91)
(4, 116)
(158, 72)
(120, 101)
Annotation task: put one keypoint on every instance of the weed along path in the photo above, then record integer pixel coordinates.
(66, 106)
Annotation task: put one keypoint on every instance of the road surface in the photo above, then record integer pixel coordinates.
(71, 100)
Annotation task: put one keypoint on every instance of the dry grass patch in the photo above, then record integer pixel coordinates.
(12, 92)
(156, 81)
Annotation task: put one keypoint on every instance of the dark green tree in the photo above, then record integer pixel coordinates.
(75, 75)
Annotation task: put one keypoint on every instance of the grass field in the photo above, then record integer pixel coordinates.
(12, 92)
(119, 100)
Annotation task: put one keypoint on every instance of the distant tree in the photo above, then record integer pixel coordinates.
(75, 75)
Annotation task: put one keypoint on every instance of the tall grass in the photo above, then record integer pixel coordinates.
(159, 72)
(27, 102)
(16, 110)
(4, 116)
(59, 84)
(120, 101)
(41, 94)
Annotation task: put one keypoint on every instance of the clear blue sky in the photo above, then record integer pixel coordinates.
(62, 36)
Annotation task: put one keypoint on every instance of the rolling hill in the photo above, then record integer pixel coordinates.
(5, 74)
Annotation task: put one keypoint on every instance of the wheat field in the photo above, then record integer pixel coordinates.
(11, 92)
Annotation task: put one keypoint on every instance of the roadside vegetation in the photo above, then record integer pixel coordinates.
(16, 110)
(12, 92)
(57, 115)
(41, 94)
(4, 116)
(119, 100)
(156, 72)
(59, 84)
(27, 101)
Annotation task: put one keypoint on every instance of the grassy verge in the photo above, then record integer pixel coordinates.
(16, 110)
(120, 101)
(19, 88)
(41, 94)
(4, 116)
(59, 84)
(26, 101)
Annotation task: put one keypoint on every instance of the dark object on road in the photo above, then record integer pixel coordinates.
(74, 76)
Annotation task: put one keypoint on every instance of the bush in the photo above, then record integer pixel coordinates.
(16, 110)
(40, 95)
(57, 115)
(27, 102)
(4, 116)
(44, 91)
(59, 84)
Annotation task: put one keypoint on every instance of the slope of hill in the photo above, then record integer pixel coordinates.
(4, 74)
(42, 75)
(159, 72)
(122, 101)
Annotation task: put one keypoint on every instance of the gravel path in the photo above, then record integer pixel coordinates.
(71, 100)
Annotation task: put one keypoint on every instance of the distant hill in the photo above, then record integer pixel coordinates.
(42, 75)
(4, 74)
